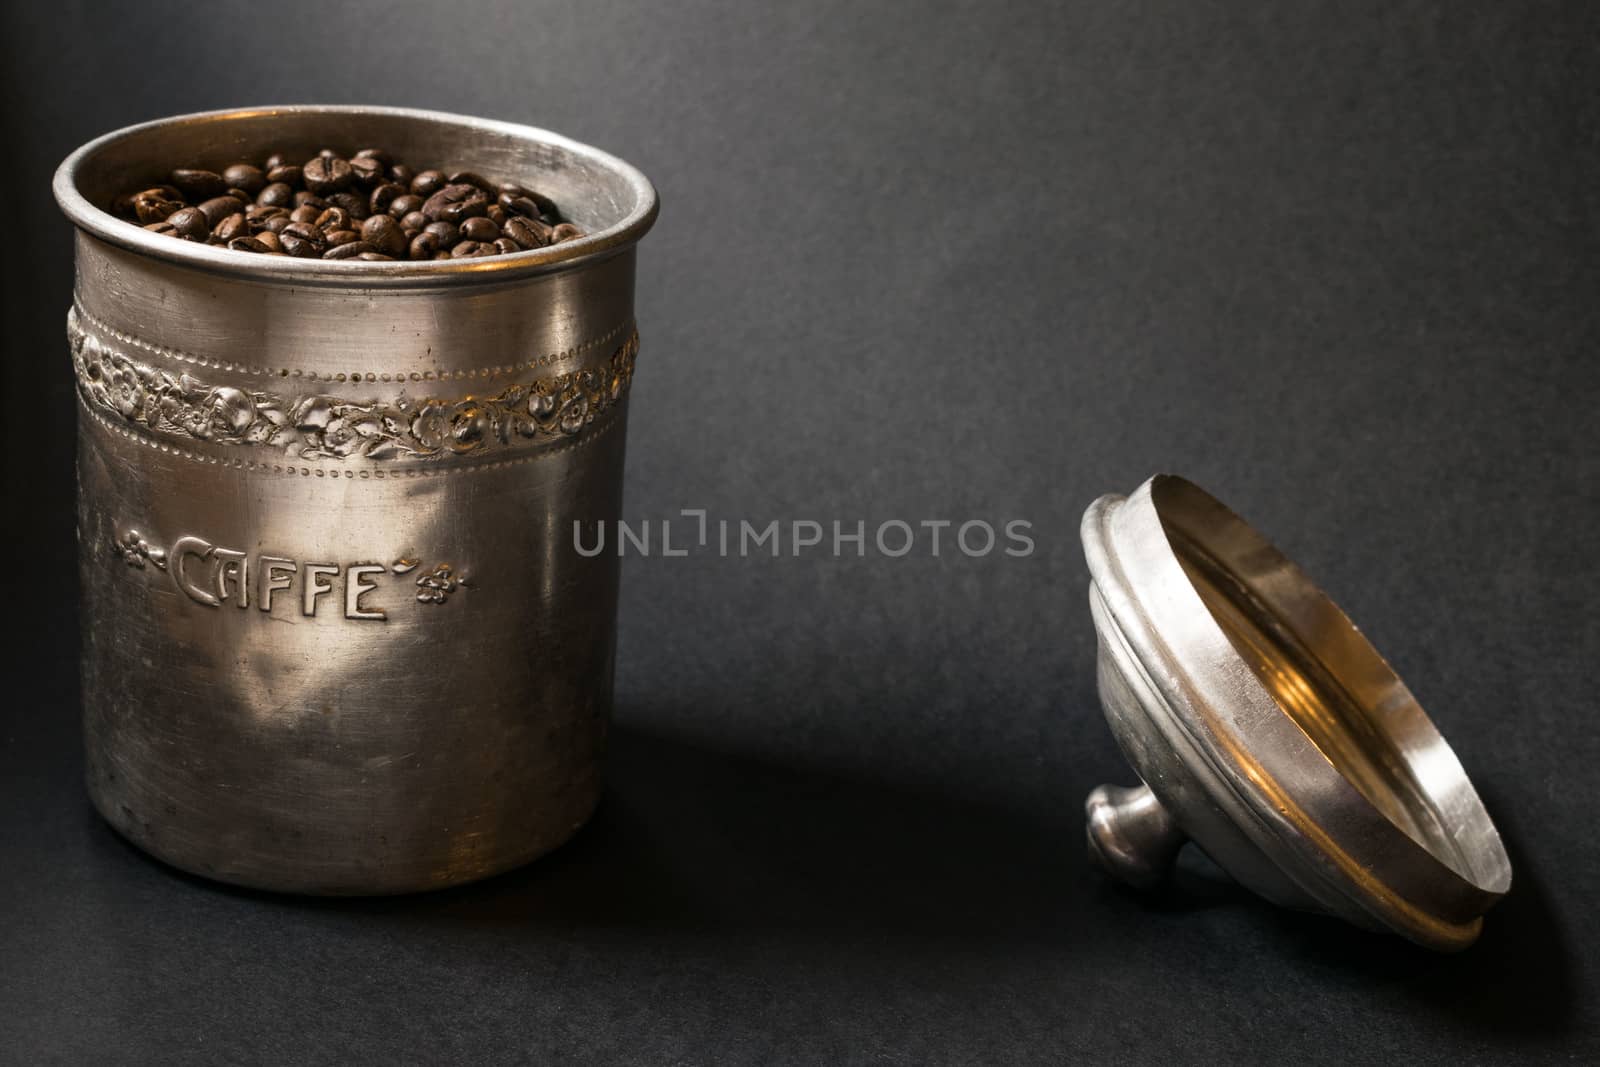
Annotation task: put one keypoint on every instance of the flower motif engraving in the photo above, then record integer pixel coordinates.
(322, 426)
(435, 586)
(136, 551)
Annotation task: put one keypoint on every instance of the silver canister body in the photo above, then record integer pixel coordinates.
(336, 635)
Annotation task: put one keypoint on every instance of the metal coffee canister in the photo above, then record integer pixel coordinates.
(336, 638)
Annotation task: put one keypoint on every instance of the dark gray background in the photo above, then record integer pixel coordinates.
(1337, 262)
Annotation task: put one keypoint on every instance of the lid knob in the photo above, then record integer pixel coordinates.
(1131, 836)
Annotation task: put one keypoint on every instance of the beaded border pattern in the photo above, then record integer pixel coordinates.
(106, 330)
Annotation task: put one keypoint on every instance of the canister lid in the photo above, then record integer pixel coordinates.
(1269, 731)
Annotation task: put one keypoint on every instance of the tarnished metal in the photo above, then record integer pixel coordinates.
(336, 638)
(1267, 730)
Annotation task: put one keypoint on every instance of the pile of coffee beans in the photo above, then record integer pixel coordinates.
(368, 207)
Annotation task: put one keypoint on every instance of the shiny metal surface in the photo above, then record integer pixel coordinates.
(336, 638)
(1266, 729)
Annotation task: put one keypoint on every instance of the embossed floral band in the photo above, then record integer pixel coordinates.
(308, 424)
(390, 671)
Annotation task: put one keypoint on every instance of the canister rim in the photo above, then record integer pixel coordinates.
(102, 224)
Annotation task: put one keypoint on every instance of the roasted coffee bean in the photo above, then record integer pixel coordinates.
(354, 204)
(448, 233)
(127, 205)
(455, 203)
(405, 205)
(380, 198)
(218, 208)
(543, 203)
(428, 182)
(302, 240)
(148, 207)
(368, 173)
(384, 235)
(198, 185)
(527, 233)
(347, 250)
(245, 178)
(232, 226)
(190, 222)
(277, 194)
(424, 245)
(326, 174)
(521, 192)
(467, 177)
(333, 218)
(519, 205)
(374, 206)
(479, 229)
